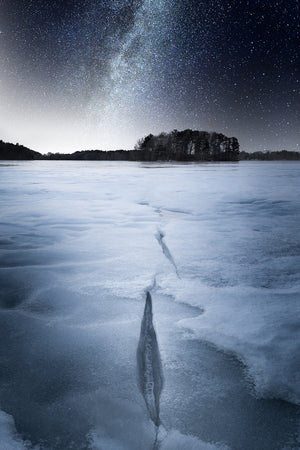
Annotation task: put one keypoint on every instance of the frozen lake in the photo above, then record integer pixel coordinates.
(218, 247)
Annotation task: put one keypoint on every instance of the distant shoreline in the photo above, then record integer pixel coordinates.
(244, 156)
(16, 152)
(10, 162)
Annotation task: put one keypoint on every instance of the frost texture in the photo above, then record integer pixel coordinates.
(79, 246)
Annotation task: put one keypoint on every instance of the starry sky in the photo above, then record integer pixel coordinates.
(99, 74)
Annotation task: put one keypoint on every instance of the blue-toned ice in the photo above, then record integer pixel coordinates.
(80, 242)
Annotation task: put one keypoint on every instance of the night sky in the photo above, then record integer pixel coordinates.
(96, 74)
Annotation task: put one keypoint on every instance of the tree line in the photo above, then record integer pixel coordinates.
(187, 145)
(282, 155)
(17, 151)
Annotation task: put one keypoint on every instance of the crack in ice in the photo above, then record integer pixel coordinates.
(160, 239)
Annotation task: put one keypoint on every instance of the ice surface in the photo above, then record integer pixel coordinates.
(218, 245)
(177, 441)
(9, 438)
(173, 440)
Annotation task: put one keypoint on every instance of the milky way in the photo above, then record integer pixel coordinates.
(101, 74)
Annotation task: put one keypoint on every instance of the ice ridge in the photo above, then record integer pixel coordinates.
(150, 374)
